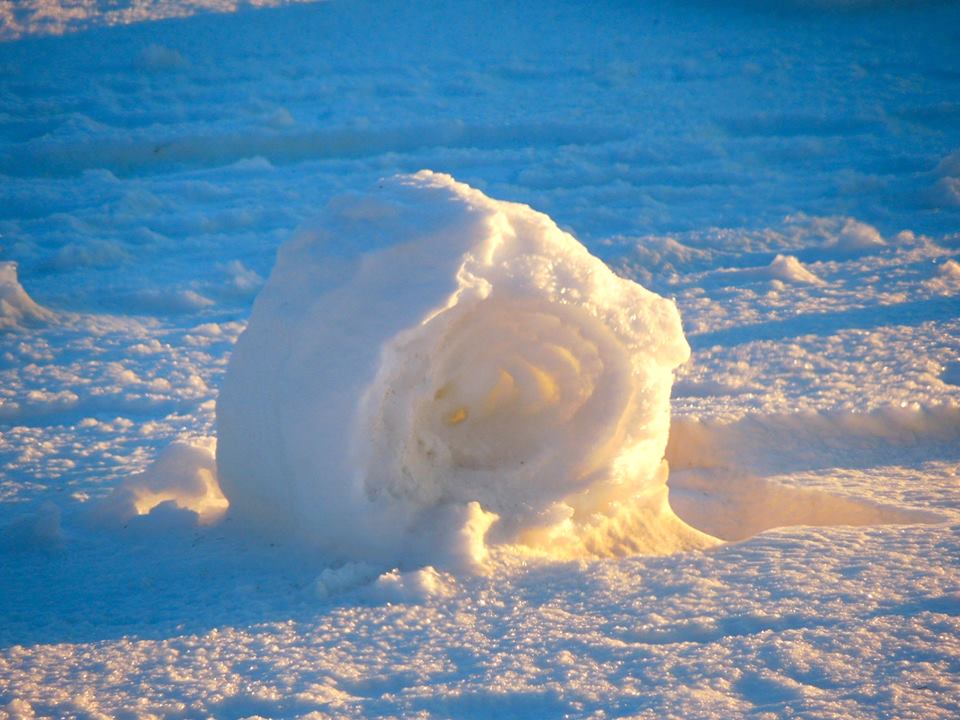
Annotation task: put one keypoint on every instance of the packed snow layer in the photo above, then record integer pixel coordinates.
(426, 362)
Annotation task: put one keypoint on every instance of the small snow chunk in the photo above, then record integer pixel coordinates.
(789, 268)
(413, 587)
(242, 281)
(783, 268)
(184, 475)
(856, 236)
(347, 577)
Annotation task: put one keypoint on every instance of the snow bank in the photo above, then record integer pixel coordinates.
(429, 371)
(17, 308)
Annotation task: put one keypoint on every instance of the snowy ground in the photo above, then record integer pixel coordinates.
(790, 175)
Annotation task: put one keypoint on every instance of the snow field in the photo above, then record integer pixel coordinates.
(786, 175)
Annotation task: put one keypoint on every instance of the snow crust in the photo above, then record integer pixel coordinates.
(427, 363)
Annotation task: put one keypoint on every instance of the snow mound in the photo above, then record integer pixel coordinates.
(393, 586)
(429, 371)
(350, 576)
(783, 268)
(414, 587)
(790, 269)
(856, 236)
(17, 308)
(183, 476)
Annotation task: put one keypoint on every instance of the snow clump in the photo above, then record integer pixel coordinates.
(184, 476)
(857, 236)
(790, 269)
(430, 372)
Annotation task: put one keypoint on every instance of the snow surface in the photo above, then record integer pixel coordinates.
(787, 173)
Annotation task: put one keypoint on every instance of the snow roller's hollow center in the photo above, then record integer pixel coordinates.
(513, 377)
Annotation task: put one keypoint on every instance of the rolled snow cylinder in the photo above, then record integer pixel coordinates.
(429, 371)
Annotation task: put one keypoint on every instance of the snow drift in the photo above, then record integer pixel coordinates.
(429, 371)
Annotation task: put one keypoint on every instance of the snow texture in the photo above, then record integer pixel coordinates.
(786, 173)
(426, 362)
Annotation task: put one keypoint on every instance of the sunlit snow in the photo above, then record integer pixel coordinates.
(426, 362)
(642, 401)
